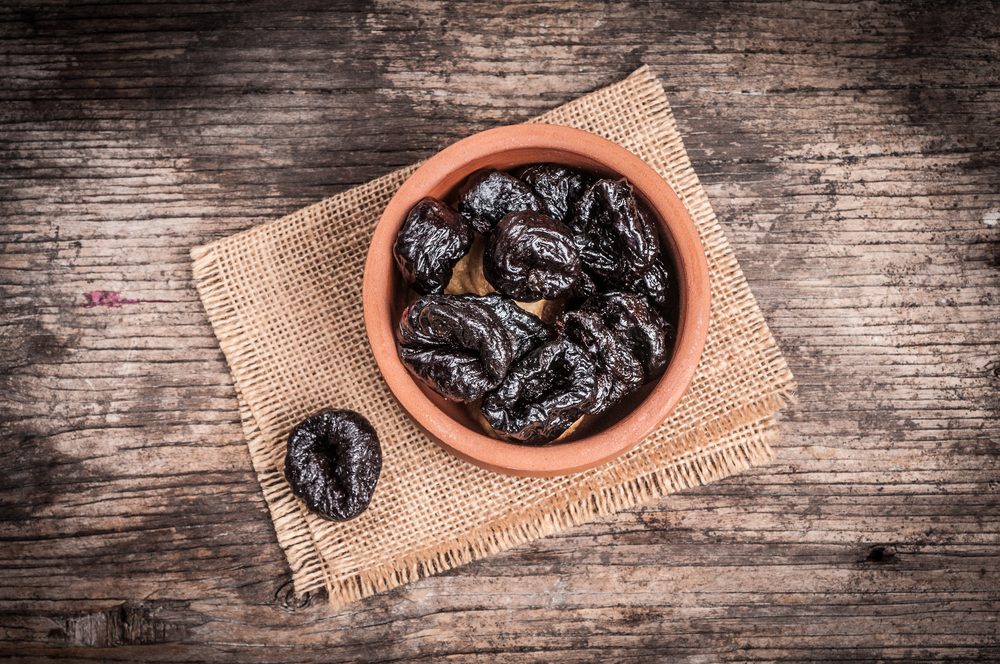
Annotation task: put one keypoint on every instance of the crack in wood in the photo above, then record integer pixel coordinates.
(128, 624)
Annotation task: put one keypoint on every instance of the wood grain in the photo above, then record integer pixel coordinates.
(851, 151)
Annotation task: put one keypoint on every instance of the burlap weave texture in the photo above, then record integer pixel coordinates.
(284, 299)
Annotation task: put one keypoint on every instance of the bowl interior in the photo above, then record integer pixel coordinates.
(444, 188)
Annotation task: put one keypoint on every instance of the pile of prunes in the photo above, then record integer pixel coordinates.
(544, 297)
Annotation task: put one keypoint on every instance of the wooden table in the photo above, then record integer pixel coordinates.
(850, 150)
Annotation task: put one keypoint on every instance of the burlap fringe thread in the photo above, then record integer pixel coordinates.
(499, 536)
(730, 443)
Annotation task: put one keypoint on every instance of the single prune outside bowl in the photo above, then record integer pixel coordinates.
(385, 295)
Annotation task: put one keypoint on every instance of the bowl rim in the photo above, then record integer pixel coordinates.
(689, 260)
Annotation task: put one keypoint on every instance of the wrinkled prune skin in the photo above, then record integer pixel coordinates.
(531, 256)
(617, 370)
(637, 327)
(433, 238)
(333, 463)
(582, 290)
(489, 195)
(463, 345)
(545, 392)
(617, 242)
(559, 187)
(455, 344)
(525, 330)
(654, 284)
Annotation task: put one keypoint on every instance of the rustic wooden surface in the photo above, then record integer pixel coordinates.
(851, 151)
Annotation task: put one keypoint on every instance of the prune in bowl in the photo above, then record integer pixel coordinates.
(559, 187)
(628, 340)
(463, 345)
(432, 240)
(544, 394)
(489, 195)
(616, 241)
(531, 256)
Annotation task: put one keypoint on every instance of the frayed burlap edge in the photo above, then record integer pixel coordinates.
(690, 470)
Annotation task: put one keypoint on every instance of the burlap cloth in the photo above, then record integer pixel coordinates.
(284, 299)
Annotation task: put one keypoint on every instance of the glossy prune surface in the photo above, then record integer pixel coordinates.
(432, 240)
(531, 256)
(526, 331)
(463, 345)
(654, 284)
(638, 328)
(333, 463)
(545, 392)
(559, 187)
(616, 242)
(617, 371)
(489, 195)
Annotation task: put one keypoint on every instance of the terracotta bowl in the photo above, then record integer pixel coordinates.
(449, 423)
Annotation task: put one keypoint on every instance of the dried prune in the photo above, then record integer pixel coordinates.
(617, 370)
(637, 327)
(616, 241)
(525, 330)
(559, 187)
(531, 256)
(432, 240)
(455, 345)
(654, 284)
(583, 289)
(463, 345)
(544, 393)
(488, 195)
(333, 463)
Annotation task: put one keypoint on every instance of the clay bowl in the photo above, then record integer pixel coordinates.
(449, 423)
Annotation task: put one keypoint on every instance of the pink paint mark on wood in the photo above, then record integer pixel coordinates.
(104, 298)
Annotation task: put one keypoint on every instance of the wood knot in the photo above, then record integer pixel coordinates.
(286, 598)
(882, 555)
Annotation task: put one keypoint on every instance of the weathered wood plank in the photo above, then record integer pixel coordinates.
(851, 150)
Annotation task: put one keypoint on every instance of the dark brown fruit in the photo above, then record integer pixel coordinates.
(637, 327)
(559, 187)
(616, 242)
(489, 195)
(333, 463)
(617, 370)
(531, 256)
(583, 289)
(654, 284)
(544, 393)
(463, 345)
(627, 339)
(433, 238)
(526, 331)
